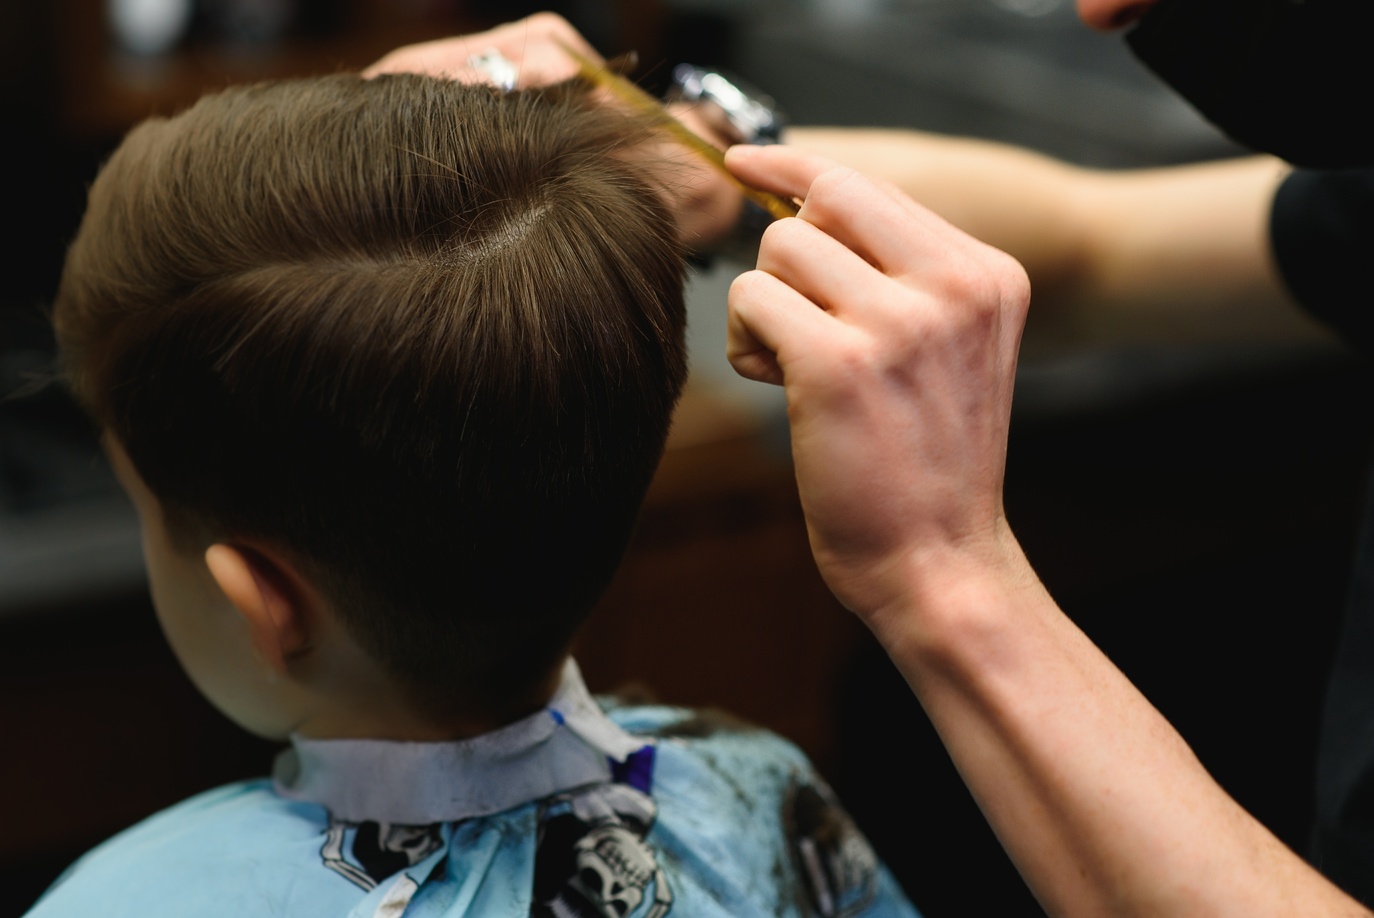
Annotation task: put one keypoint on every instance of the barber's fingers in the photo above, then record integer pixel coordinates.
(808, 300)
(532, 44)
(768, 322)
(547, 26)
(792, 171)
(536, 43)
(824, 270)
(778, 168)
(810, 288)
(870, 216)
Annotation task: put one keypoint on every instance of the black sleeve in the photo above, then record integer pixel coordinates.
(1322, 227)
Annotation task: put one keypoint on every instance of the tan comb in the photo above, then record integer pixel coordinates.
(626, 91)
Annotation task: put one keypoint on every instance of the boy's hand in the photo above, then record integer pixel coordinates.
(895, 336)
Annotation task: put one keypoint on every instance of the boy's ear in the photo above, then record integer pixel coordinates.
(270, 598)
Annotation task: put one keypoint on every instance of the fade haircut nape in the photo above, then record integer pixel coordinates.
(423, 337)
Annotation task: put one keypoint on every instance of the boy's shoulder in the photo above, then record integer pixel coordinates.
(712, 740)
(726, 820)
(738, 794)
(241, 837)
(717, 763)
(702, 729)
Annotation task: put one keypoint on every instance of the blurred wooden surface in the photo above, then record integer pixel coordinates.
(102, 91)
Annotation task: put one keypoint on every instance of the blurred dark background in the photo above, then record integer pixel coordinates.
(1188, 492)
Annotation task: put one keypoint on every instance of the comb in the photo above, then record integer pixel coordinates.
(627, 92)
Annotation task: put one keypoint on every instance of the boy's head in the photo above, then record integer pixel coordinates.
(419, 339)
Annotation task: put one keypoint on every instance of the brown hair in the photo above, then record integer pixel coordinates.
(423, 337)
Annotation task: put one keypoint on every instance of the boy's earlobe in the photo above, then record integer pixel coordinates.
(262, 592)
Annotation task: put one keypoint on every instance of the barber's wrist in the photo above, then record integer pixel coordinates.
(945, 600)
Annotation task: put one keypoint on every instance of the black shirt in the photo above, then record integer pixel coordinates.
(1322, 226)
(1322, 229)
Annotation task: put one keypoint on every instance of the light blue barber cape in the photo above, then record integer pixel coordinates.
(626, 812)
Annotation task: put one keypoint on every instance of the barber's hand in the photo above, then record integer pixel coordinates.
(895, 336)
(707, 205)
(532, 44)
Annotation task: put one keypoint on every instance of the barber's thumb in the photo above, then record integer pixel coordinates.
(776, 168)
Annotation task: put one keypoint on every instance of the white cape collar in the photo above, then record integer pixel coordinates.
(569, 744)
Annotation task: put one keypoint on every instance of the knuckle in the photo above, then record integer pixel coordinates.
(855, 356)
(832, 180)
(781, 233)
(547, 21)
(1016, 284)
(1008, 289)
(1010, 272)
(389, 59)
(743, 287)
(832, 188)
(992, 282)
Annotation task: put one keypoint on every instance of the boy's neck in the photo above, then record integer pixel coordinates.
(393, 716)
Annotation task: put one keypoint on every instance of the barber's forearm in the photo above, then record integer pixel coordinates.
(1191, 235)
(1015, 200)
(1100, 803)
(1176, 252)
